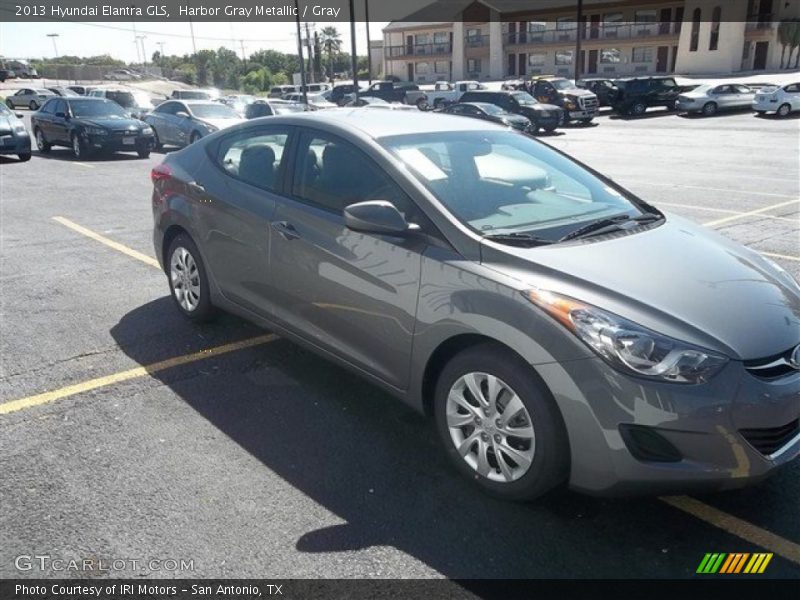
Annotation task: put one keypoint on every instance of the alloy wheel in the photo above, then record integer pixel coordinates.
(784, 110)
(185, 279)
(40, 143)
(76, 146)
(490, 427)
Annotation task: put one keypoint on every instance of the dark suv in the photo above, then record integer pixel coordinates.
(578, 104)
(542, 116)
(634, 96)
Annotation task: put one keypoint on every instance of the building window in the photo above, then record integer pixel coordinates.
(716, 17)
(564, 57)
(611, 56)
(474, 65)
(422, 68)
(565, 23)
(695, 38)
(422, 38)
(642, 55)
(537, 59)
(441, 37)
(645, 16)
(536, 26)
(441, 67)
(611, 24)
(473, 33)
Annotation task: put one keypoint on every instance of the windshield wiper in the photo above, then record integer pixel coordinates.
(602, 226)
(517, 239)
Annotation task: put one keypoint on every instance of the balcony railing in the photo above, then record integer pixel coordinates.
(624, 31)
(420, 50)
(476, 41)
(760, 22)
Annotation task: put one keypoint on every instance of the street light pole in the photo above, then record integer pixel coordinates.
(300, 52)
(144, 53)
(353, 57)
(53, 37)
(578, 34)
(369, 44)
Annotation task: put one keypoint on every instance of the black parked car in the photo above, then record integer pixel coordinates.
(541, 116)
(342, 94)
(634, 96)
(488, 112)
(602, 88)
(88, 125)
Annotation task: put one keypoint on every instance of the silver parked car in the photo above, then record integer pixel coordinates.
(180, 123)
(780, 99)
(31, 98)
(14, 138)
(555, 326)
(708, 99)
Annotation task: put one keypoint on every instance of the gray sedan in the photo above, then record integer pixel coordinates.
(183, 122)
(556, 327)
(14, 138)
(708, 99)
(31, 98)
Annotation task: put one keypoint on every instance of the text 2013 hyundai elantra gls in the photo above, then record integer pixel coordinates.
(557, 328)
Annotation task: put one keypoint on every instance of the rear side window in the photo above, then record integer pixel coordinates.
(255, 156)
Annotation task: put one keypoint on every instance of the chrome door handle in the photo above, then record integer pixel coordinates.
(286, 230)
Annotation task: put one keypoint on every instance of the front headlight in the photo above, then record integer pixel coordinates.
(627, 346)
(20, 129)
(147, 131)
(96, 131)
(570, 105)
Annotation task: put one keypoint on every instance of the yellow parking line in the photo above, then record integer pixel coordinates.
(783, 256)
(80, 164)
(736, 526)
(709, 189)
(108, 242)
(749, 213)
(93, 384)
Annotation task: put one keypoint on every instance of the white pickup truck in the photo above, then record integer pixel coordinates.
(445, 93)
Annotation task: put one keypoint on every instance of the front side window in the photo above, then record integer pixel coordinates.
(332, 174)
(254, 156)
(498, 182)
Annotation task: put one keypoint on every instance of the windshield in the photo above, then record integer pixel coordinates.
(524, 98)
(283, 109)
(97, 108)
(498, 182)
(4, 110)
(563, 84)
(194, 95)
(213, 111)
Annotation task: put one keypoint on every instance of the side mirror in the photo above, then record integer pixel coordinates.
(376, 216)
(19, 115)
(183, 114)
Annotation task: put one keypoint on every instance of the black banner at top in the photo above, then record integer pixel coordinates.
(416, 11)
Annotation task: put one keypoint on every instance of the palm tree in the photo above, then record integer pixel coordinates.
(331, 44)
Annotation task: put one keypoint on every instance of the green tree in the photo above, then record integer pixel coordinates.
(203, 61)
(331, 41)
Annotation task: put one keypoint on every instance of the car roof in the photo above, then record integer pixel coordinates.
(375, 124)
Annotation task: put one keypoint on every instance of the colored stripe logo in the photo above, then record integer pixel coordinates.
(733, 563)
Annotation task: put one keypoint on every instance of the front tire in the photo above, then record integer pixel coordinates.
(499, 424)
(195, 136)
(157, 145)
(422, 104)
(709, 109)
(188, 281)
(78, 146)
(784, 110)
(24, 156)
(143, 151)
(638, 109)
(41, 143)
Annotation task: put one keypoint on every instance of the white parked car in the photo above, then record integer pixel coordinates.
(708, 99)
(445, 93)
(781, 100)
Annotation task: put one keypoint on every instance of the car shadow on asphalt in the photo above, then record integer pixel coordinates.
(65, 154)
(650, 114)
(377, 464)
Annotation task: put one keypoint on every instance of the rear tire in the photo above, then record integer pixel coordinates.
(784, 110)
(513, 467)
(422, 104)
(188, 282)
(33, 105)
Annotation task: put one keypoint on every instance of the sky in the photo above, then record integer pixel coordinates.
(29, 40)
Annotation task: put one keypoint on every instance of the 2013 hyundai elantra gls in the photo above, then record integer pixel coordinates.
(556, 327)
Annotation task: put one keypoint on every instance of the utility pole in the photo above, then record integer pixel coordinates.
(300, 51)
(53, 37)
(578, 35)
(310, 54)
(144, 53)
(191, 30)
(161, 54)
(353, 57)
(369, 44)
(135, 36)
(241, 43)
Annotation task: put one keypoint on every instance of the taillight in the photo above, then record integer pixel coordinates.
(160, 173)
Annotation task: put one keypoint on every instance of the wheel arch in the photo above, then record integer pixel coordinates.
(173, 231)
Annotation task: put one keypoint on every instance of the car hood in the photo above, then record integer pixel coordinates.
(578, 92)
(8, 123)
(678, 278)
(541, 107)
(115, 124)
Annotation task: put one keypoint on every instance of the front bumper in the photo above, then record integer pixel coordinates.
(589, 113)
(15, 144)
(703, 422)
(127, 143)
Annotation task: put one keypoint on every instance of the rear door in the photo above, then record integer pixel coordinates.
(353, 294)
(236, 202)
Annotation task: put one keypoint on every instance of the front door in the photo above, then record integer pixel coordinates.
(410, 73)
(353, 294)
(665, 16)
(760, 56)
(523, 64)
(592, 66)
(594, 27)
(662, 59)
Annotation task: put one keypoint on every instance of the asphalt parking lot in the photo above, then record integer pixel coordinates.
(259, 459)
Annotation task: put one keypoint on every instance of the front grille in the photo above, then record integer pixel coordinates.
(772, 367)
(771, 439)
(588, 102)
